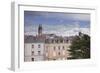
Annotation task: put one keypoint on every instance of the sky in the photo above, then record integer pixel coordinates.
(59, 23)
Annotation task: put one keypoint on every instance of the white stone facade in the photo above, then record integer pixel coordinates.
(33, 52)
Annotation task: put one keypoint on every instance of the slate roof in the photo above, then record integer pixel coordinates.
(41, 39)
(32, 39)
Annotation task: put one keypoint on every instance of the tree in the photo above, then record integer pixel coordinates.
(80, 47)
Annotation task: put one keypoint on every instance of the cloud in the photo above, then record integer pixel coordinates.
(63, 23)
(78, 16)
(59, 15)
(85, 30)
(61, 30)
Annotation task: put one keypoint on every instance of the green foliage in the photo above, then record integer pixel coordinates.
(80, 47)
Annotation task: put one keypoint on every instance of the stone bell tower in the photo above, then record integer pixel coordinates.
(40, 30)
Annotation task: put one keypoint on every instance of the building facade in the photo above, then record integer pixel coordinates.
(46, 47)
(33, 50)
(56, 49)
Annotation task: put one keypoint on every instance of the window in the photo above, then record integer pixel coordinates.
(54, 59)
(58, 53)
(63, 47)
(54, 48)
(59, 47)
(61, 41)
(39, 46)
(67, 41)
(32, 53)
(39, 52)
(47, 41)
(52, 41)
(32, 59)
(57, 41)
(32, 46)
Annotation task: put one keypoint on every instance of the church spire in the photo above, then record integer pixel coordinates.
(40, 30)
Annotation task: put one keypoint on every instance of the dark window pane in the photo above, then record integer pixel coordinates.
(32, 52)
(63, 47)
(54, 59)
(32, 59)
(58, 53)
(59, 47)
(32, 46)
(39, 52)
(54, 48)
(39, 46)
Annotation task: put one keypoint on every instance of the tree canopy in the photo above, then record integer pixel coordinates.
(80, 47)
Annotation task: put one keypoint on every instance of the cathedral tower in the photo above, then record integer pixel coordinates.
(40, 30)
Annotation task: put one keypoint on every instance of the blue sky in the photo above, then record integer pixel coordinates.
(56, 22)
